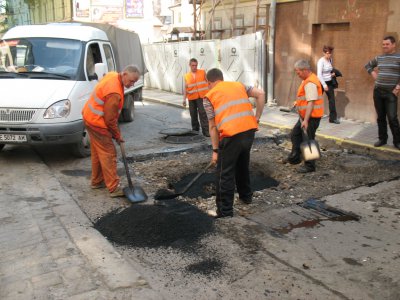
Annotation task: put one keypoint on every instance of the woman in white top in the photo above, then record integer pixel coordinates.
(324, 73)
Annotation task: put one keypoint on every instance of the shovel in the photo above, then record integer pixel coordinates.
(167, 195)
(135, 194)
(309, 148)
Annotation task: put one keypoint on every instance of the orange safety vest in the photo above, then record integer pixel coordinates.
(232, 107)
(196, 87)
(301, 102)
(93, 111)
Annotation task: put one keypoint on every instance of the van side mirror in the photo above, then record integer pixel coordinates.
(93, 77)
(100, 70)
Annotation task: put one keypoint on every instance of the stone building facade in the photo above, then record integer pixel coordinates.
(354, 27)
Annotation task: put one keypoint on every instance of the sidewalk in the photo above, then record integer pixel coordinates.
(355, 133)
(49, 248)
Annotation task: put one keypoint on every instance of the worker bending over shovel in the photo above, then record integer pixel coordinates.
(232, 125)
(100, 115)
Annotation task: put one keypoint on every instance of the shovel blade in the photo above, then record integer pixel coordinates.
(310, 150)
(135, 194)
(165, 195)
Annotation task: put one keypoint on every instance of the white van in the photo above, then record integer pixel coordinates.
(47, 73)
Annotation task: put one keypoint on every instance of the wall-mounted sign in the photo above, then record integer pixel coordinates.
(134, 8)
(106, 14)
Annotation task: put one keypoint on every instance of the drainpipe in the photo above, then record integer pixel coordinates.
(271, 51)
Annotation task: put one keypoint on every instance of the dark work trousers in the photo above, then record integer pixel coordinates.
(233, 167)
(331, 101)
(197, 111)
(386, 107)
(297, 138)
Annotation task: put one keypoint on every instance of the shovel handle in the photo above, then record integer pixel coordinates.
(196, 177)
(305, 135)
(126, 165)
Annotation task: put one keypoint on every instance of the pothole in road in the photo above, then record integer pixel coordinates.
(204, 187)
(175, 224)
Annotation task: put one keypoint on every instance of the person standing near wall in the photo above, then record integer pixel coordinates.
(385, 69)
(100, 116)
(196, 87)
(232, 126)
(310, 106)
(325, 74)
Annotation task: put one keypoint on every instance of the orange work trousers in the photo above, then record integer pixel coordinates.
(104, 159)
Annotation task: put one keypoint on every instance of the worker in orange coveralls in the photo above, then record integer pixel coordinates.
(100, 115)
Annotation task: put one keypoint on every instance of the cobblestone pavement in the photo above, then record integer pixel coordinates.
(49, 249)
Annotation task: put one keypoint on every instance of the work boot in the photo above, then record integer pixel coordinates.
(304, 169)
(292, 161)
(246, 201)
(97, 186)
(118, 192)
(220, 215)
(380, 143)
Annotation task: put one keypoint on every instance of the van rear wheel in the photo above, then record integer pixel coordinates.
(82, 148)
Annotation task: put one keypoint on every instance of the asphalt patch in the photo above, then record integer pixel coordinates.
(204, 187)
(175, 224)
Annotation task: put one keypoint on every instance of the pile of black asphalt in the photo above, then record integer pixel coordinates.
(174, 224)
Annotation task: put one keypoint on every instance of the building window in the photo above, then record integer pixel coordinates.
(262, 21)
(239, 21)
(217, 24)
(217, 35)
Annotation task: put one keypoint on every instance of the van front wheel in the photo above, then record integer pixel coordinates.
(2, 146)
(82, 149)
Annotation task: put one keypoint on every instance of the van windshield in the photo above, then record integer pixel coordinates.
(41, 57)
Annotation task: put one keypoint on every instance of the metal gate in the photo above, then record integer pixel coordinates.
(240, 59)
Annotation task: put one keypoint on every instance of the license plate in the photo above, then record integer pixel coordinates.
(17, 138)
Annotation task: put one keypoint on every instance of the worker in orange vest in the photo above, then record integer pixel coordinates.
(100, 115)
(310, 106)
(232, 126)
(196, 87)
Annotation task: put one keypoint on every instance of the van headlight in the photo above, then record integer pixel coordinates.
(59, 109)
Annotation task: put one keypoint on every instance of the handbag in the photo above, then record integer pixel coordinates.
(335, 83)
